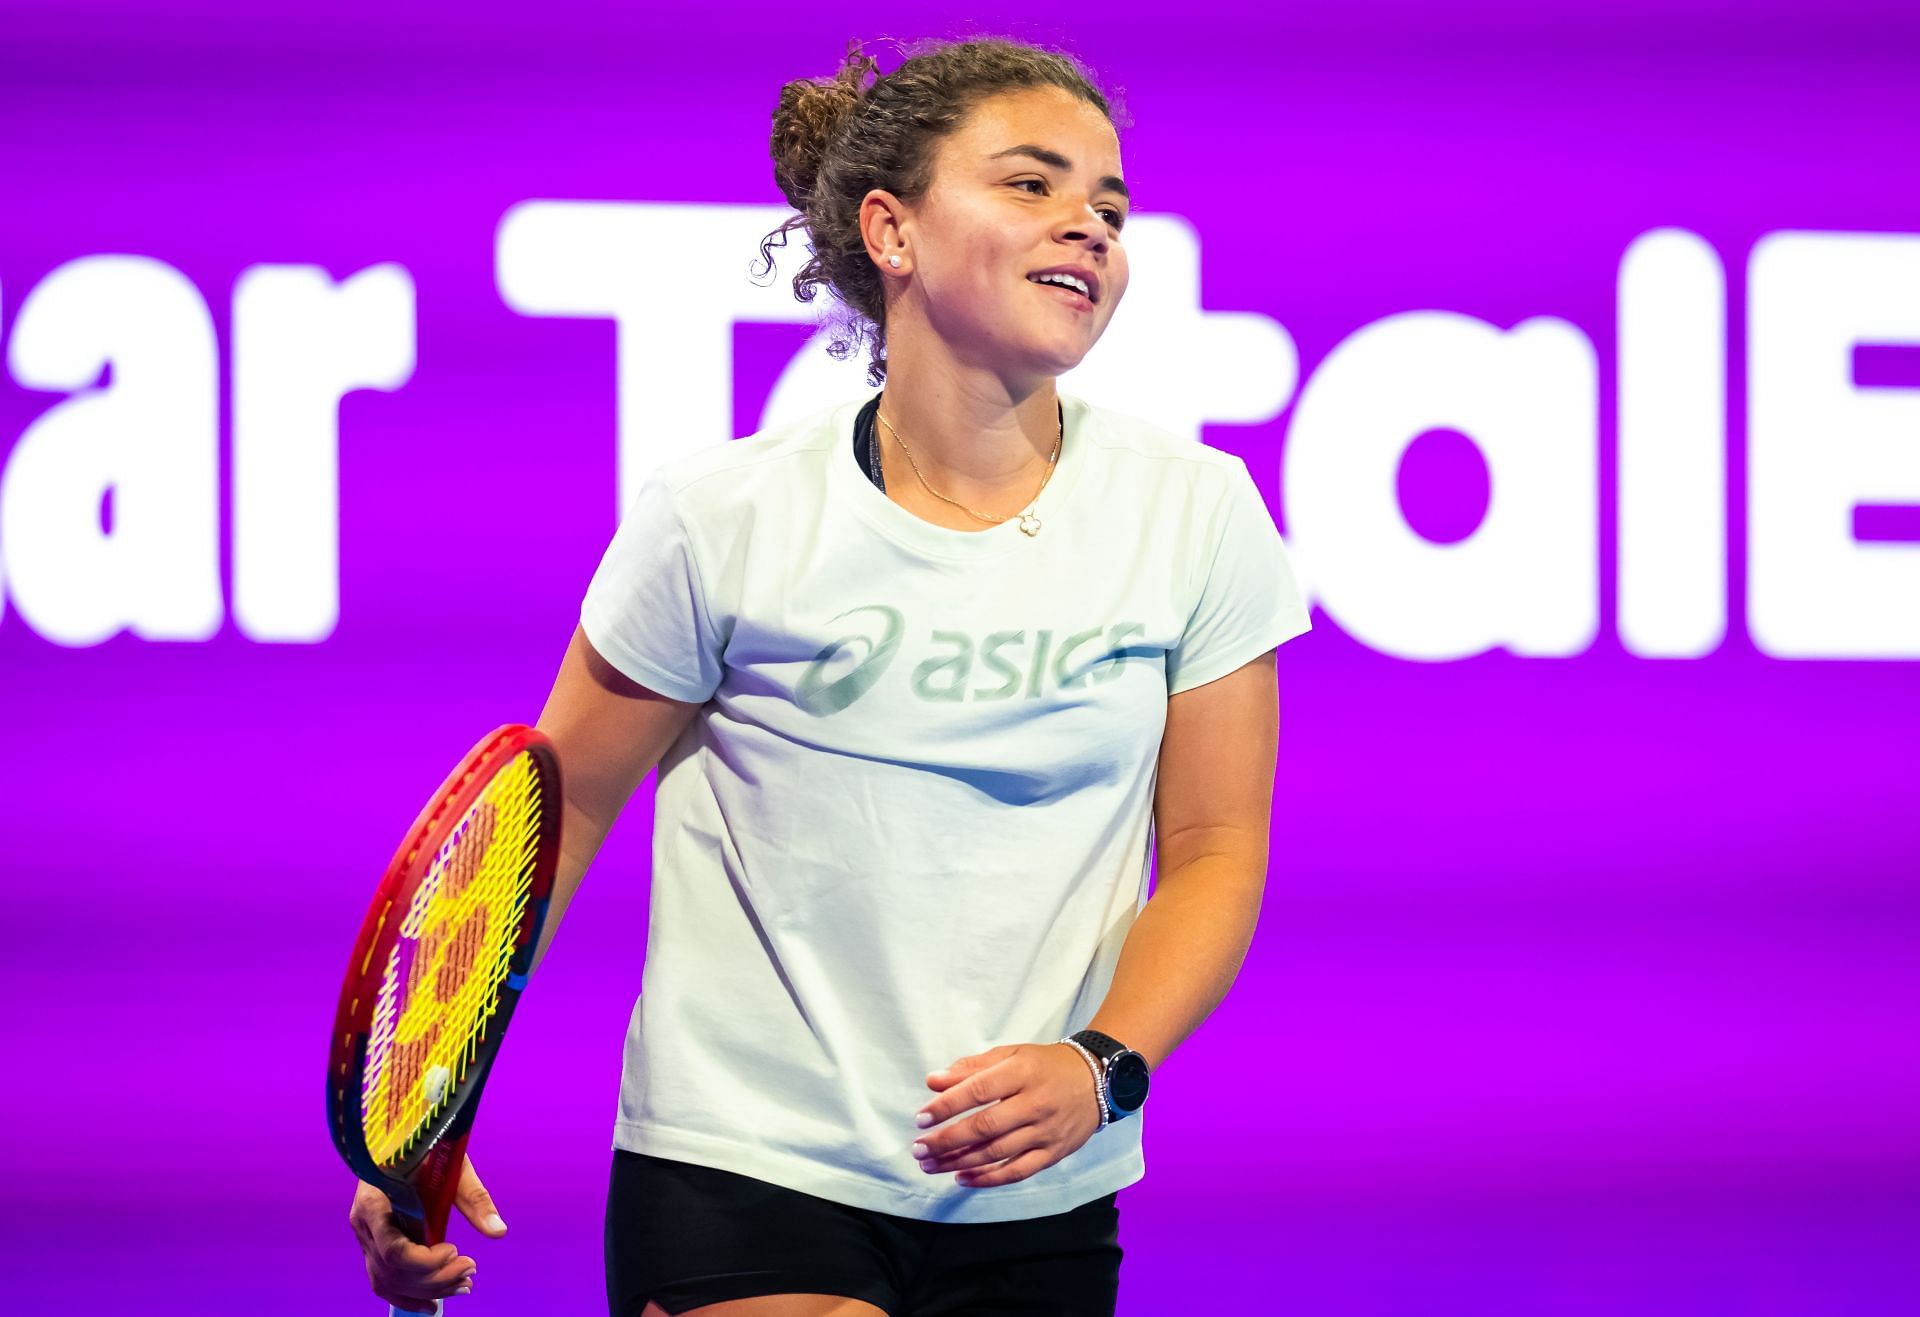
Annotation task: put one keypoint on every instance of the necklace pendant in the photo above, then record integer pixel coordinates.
(1029, 523)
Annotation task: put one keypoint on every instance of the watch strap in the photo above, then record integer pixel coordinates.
(1106, 1048)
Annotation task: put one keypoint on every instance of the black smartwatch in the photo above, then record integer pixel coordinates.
(1124, 1083)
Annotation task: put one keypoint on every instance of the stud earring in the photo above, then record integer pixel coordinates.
(894, 260)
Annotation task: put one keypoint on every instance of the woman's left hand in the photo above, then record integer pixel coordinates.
(1047, 1106)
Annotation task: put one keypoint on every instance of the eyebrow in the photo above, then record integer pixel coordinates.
(1060, 162)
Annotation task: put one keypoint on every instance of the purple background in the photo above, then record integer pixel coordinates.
(1583, 985)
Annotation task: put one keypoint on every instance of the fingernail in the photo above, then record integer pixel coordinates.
(495, 1223)
(924, 1119)
(920, 1151)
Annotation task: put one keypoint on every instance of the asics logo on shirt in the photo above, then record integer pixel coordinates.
(1015, 664)
(819, 696)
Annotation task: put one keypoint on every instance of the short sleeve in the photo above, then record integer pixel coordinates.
(1250, 600)
(645, 610)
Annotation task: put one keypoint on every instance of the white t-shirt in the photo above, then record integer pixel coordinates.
(913, 819)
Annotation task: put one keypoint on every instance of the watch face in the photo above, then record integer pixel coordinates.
(1127, 1081)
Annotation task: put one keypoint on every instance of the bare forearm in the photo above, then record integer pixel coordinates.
(1183, 952)
(580, 838)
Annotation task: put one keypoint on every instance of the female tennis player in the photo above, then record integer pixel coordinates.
(929, 677)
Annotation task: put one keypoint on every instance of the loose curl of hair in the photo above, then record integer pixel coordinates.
(835, 140)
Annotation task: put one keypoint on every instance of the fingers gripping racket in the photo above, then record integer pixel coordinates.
(442, 957)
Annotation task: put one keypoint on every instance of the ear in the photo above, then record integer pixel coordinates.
(884, 225)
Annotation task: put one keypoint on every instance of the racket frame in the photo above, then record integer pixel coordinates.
(421, 1184)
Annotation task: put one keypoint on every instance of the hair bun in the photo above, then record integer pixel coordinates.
(810, 113)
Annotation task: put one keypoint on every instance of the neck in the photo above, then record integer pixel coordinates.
(970, 436)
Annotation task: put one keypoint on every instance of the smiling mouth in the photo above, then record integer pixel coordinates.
(1074, 293)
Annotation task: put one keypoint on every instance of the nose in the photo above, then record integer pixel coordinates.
(1083, 224)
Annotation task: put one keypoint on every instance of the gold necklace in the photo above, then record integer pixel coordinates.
(1029, 523)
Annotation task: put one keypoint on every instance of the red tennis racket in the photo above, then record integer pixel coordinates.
(442, 957)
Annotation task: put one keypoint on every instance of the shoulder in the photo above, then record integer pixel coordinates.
(1134, 445)
(786, 460)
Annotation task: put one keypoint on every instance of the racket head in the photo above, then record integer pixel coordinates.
(439, 964)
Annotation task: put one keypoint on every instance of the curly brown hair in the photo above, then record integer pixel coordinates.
(834, 141)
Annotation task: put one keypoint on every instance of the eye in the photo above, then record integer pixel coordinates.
(1116, 216)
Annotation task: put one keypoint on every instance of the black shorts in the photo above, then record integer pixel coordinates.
(684, 1235)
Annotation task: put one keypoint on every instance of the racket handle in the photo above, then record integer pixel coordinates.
(439, 1179)
(413, 1228)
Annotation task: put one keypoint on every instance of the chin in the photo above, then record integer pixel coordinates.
(1067, 348)
(1051, 367)
(1061, 363)
(1051, 356)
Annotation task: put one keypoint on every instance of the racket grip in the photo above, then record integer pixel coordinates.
(413, 1229)
(440, 1179)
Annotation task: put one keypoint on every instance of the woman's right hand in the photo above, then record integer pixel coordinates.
(412, 1276)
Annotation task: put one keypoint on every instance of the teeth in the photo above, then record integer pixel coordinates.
(1066, 280)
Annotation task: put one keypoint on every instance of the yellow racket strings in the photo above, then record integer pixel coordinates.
(441, 985)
